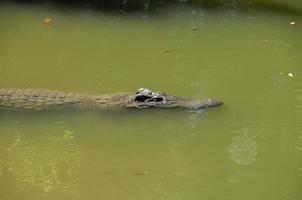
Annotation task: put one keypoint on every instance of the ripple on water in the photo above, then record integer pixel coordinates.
(244, 147)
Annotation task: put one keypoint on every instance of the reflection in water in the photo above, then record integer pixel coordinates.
(231, 8)
(48, 166)
(298, 95)
(195, 117)
(298, 148)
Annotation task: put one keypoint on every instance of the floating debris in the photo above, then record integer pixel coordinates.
(68, 135)
(168, 50)
(195, 29)
(292, 23)
(47, 20)
(142, 173)
(287, 74)
(290, 75)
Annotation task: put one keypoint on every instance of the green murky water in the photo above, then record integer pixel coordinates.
(251, 148)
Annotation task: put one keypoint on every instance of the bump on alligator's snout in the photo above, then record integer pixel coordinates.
(214, 102)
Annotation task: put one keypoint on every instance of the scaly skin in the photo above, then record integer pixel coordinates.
(39, 99)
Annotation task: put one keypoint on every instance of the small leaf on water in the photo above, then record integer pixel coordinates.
(47, 20)
(142, 173)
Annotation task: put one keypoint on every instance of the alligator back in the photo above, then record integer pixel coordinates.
(38, 99)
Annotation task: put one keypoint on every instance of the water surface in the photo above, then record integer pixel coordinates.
(250, 148)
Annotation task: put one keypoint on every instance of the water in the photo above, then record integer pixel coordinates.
(250, 148)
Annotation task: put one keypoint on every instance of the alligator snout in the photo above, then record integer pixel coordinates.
(196, 105)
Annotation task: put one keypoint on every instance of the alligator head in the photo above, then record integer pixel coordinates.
(145, 98)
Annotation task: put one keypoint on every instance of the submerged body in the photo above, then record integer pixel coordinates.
(39, 99)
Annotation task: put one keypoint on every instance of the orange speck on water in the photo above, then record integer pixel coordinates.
(47, 20)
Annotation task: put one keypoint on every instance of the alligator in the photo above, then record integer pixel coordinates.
(39, 99)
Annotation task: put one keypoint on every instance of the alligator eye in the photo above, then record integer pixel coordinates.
(158, 99)
(141, 98)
